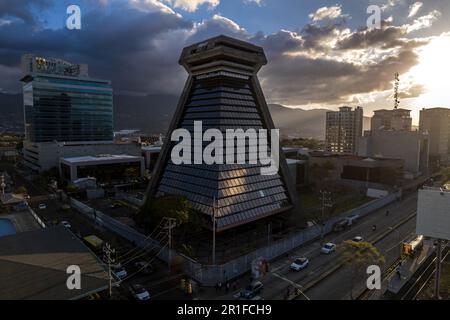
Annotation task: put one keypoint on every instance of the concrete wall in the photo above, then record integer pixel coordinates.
(119, 228)
(411, 146)
(210, 275)
(49, 153)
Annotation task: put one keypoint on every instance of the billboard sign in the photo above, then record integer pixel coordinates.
(433, 213)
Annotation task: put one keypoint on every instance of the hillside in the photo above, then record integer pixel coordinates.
(152, 114)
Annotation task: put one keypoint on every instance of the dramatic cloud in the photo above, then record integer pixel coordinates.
(332, 64)
(326, 13)
(137, 44)
(424, 21)
(414, 9)
(192, 5)
(386, 37)
(22, 9)
(258, 2)
(412, 92)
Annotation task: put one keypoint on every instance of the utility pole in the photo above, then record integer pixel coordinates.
(169, 224)
(437, 286)
(3, 184)
(214, 232)
(108, 251)
(326, 203)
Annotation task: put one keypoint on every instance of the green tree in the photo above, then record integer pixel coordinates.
(357, 256)
(21, 190)
(71, 188)
(130, 172)
(171, 206)
(190, 221)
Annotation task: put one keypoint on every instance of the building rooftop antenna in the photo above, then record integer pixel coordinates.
(396, 96)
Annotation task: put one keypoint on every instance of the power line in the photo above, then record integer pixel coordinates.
(107, 250)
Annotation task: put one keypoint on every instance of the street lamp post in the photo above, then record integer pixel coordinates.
(3, 185)
(326, 203)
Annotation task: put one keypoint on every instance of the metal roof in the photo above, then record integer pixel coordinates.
(33, 266)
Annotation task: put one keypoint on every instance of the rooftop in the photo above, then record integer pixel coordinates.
(33, 266)
(222, 51)
(152, 148)
(101, 158)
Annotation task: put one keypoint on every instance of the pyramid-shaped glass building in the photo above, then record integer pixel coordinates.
(223, 92)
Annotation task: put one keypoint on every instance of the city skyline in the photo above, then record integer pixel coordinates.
(219, 151)
(321, 55)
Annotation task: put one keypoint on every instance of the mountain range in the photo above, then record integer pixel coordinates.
(152, 114)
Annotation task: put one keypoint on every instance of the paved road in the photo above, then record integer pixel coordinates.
(280, 277)
(338, 284)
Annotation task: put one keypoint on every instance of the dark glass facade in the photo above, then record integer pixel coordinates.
(241, 192)
(223, 99)
(67, 109)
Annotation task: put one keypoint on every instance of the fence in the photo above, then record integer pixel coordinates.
(119, 228)
(39, 220)
(123, 195)
(210, 275)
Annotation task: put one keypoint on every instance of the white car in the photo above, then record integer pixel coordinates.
(66, 224)
(42, 206)
(357, 239)
(139, 292)
(121, 273)
(300, 264)
(328, 248)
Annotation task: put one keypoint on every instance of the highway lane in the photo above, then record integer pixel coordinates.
(338, 284)
(281, 276)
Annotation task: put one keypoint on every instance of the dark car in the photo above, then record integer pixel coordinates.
(252, 290)
(144, 267)
(139, 292)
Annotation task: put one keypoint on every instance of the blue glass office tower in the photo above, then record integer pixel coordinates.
(63, 104)
(66, 112)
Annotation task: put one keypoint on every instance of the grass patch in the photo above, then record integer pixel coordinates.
(351, 204)
(310, 200)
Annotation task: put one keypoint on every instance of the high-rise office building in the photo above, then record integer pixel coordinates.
(66, 113)
(223, 92)
(410, 146)
(436, 121)
(61, 102)
(343, 130)
(395, 119)
(391, 137)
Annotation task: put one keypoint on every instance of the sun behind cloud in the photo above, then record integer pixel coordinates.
(433, 71)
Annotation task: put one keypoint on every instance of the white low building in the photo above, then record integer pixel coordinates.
(105, 168)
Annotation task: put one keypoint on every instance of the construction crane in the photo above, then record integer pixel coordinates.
(396, 97)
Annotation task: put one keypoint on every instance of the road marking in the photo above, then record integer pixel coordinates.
(164, 292)
(298, 286)
(326, 274)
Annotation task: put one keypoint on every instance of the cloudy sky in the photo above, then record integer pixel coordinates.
(320, 52)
